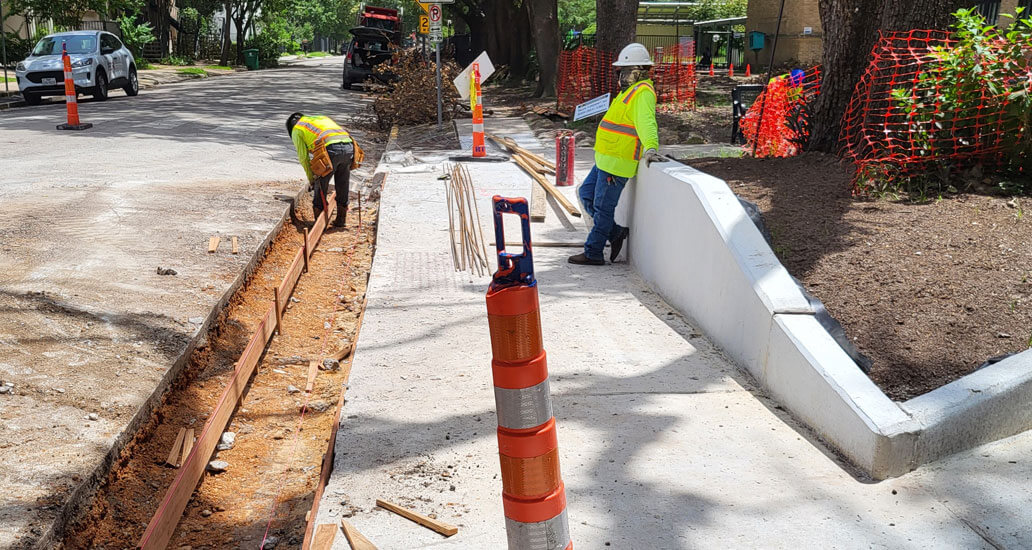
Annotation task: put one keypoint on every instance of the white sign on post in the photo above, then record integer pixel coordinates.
(592, 107)
(486, 70)
(435, 23)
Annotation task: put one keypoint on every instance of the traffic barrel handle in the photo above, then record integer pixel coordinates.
(513, 269)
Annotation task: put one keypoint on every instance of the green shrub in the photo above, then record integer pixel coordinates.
(135, 36)
(974, 91)
(176, 60)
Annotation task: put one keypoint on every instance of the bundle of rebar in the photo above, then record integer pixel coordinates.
(469, 252)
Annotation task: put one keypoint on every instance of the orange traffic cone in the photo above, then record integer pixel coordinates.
(711, 73)
(71, 104)
(479, 147)
(731, 70)
(748, 70)
(533, 494)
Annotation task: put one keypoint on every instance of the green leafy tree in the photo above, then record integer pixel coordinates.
(68, 13)
(135, 36)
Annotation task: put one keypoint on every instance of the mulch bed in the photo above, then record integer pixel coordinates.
(929, 291)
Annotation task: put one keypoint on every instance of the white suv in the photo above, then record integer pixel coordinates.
(99, 63)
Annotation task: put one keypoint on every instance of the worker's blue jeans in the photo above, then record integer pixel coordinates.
(599, 194)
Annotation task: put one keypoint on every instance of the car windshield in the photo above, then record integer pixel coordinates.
(77, 43)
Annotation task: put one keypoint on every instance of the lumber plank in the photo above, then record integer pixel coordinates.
(173, 453)
(236, 246)
(538, 208)
(313, 371)
(517, 148)
(324, 535)
(548, 187)
(213, 244)
(188, 443)
(355, 539)
(428, 522)
(163, 523)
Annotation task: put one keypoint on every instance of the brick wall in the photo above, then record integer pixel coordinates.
(800, 40)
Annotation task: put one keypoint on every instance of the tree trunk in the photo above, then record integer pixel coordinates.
(224, 57)
(852, 28)
(239, 23)
(617, 24)
(519, 58)
(544, 19)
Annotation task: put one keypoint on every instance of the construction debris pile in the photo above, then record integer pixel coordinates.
(411, 96)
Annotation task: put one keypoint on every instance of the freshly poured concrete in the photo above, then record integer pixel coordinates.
(87, 326)
(664, 443)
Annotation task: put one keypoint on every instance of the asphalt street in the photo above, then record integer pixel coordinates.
(89, 330)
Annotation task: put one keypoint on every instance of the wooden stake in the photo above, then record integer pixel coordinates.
(324, 535)
(355, 539)
(236, 246)
(313, 371)
(188, 441)
(538, 208)
(304, 247)
(213, 244)
(173, 453)
(279, 314)
(430, 523)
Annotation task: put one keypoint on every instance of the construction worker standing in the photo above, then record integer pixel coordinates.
(326, 151)
(628, 132)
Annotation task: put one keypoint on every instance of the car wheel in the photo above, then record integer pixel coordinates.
(133, 87)
(100, 91)
(32, 99)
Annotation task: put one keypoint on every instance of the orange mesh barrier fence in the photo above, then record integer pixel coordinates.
(786, 104)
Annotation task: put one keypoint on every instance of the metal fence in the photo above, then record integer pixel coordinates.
(109, 26)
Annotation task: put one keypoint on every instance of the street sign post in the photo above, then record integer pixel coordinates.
(3, 45)
(434, 13)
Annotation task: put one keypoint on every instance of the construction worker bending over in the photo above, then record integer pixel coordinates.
(326, 151)
(628, 132)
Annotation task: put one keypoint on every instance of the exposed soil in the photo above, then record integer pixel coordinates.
(273, 468)
(929, 291)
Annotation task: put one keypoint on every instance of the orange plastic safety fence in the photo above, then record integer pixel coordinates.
(786, 105)
(897, 124)
(586, 73)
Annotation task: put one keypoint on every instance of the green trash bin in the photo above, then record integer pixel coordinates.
(251, 59)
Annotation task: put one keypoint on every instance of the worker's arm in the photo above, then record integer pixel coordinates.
(302, 154)
(645, 120)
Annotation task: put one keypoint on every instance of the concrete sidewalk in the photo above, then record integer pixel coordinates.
(664, 443)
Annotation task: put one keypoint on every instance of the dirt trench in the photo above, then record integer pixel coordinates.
(274, 464)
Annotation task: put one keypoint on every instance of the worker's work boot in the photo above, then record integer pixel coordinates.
(616, 243)
(340, 220)
(581, 259)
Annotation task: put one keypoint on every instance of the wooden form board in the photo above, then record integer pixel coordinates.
(324, 536)
(213, 244)
(170, 510)
(188, 443)
(538, 208)
(428, 522)
(313, 371)
(355, 539)
(236, 246)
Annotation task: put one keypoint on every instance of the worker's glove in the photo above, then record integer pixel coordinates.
(653, 155)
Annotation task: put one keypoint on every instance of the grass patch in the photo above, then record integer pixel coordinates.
(218, 68)
(9, 79)
(193, 70)
(319, 54)
(143, 65)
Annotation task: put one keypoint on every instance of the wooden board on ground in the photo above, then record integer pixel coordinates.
(566, 204)
(538, 208)
(355, 539)
(324, 535)
(213, 244)
(236, 246)
(428, 522)
(173, 459)
(313, 371)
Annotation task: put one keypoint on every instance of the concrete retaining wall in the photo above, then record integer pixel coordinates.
(695, 245)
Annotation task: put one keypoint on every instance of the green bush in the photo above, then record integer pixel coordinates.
(135, 36)
(19, 48)
(176, 60)
(974, 91)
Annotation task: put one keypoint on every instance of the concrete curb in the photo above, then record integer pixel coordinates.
(696, 246)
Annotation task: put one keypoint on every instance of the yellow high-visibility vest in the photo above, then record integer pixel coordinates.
(618, 145)
(311, 135)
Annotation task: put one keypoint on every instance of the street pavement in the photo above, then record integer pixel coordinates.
(89, 330)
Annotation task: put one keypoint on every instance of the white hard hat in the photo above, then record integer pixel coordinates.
(632, 55)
